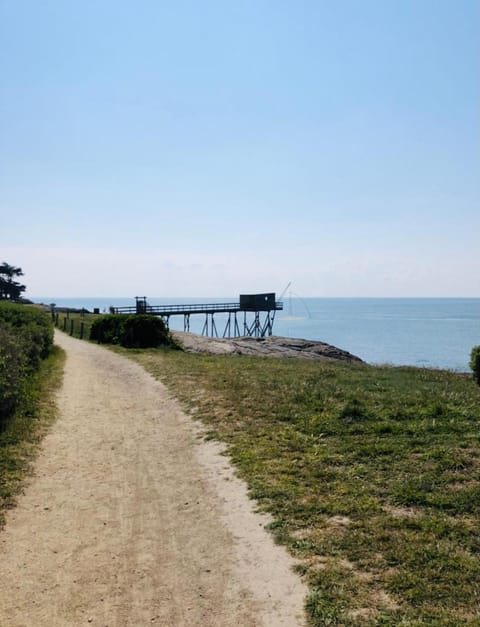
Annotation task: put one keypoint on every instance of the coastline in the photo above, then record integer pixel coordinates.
(434, 333)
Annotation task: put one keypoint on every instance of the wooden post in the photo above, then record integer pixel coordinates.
(56, 319)
(64, 324)
(81, 330)
(71, 326)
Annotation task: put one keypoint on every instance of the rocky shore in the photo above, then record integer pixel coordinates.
(273, 346)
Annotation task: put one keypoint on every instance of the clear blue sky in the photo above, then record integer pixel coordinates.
(210, 148)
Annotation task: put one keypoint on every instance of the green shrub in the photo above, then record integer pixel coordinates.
(108, 329)
(26, 338)
(12, 371)
(135, 331)
(32, 328)
(475, 363)
(142, 331)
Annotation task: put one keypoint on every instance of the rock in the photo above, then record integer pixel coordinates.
(272, 346)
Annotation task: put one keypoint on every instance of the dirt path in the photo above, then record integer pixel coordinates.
(132, 520)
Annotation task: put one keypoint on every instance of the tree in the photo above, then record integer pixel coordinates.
(10, 289)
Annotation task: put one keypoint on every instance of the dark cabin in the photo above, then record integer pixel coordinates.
(257, 302)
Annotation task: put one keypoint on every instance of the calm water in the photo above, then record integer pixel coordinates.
(429, 332)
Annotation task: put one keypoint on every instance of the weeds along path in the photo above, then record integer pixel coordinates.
(131, 519)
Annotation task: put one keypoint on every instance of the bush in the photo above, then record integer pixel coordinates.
(475, 363)
(108, 329)
(12, 371)
(32, 328)
(142, 331)
(135, 331)
(26, 337)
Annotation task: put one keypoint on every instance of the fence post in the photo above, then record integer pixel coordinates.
(56, 319)
(71, 325)
(81, 330)
(64, 324)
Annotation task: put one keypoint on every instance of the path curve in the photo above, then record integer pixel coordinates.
(132, 520)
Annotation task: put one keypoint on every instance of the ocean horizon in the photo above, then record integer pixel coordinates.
(422, 332)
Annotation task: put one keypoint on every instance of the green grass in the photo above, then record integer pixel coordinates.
(72, 324)
(24, 431)
(372, 475)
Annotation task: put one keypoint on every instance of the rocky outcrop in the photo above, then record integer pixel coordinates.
(273, 346)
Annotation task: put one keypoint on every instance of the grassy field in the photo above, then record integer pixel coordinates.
(372, 475)
(20, 440)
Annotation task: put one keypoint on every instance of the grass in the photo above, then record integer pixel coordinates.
(73, 322)
(372, 475)
(20, 439)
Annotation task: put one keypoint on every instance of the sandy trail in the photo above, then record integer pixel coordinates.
(131, 519)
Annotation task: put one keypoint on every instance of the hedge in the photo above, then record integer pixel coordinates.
(26, 337)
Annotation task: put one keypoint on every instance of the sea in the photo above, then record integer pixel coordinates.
(421, 332)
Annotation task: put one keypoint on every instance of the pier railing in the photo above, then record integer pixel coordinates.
(171, 310)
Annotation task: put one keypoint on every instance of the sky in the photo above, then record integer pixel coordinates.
(185, 148)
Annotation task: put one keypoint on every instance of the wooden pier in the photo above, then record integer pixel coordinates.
(253, 315)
